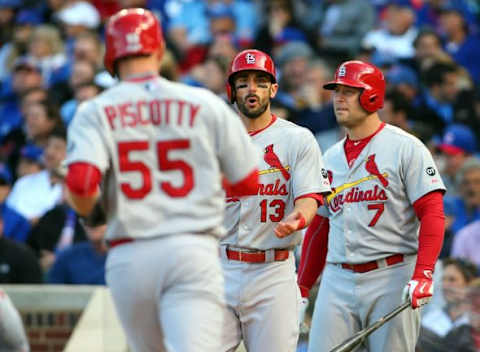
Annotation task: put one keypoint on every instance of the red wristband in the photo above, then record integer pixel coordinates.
(301, 222)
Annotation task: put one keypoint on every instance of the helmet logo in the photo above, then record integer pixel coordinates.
(342, 71)
(133, 42)
(250, 58)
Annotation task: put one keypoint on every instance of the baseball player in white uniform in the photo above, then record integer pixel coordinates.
(159, 149)
(257, 258)
(12, 333)
(383, 222)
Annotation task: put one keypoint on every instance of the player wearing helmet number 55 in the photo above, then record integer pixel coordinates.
(262, 230)
(383, 223)
(160, 149)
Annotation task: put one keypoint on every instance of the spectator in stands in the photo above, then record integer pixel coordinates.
(78, 17)
(405, 80)
(212, 74)
(279, 28)
(25, 20)
(18, 263)
(45, 47)
(317, 114)
(15, 226)
(34, 194)
(474, 312)
(293, 60)
(25, 76)
(396, 38)
(428, 50)
(439, 102)
(88, 47)
(54, 232)
(30, 161)
(40, 120)
(458, 144)
(83, 263)
(81, 71)
(438, 324)
(8, 9)
(12, 332)
(467, 204)
(223, 45)
(343, 25)
(81, 92)
(463, 47)
(466, 243)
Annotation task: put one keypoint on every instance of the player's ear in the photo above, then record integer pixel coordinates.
(273, 90)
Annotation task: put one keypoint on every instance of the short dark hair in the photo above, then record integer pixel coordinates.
(468, 269)
(399, 102)
(436, 74)
(426, 32)
(59, 131)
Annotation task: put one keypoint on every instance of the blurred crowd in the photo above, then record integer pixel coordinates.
(51, 60)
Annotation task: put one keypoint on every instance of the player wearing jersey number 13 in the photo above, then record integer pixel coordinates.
(262, 230)
(161, 148)
(383, 223)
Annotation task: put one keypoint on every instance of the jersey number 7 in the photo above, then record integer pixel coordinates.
(164, 164)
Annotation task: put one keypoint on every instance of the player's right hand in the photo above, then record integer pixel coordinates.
(419, 291)
(302, 309)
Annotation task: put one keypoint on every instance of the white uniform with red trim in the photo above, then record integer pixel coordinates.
(162, 147)
(372, 221)
(263, 297)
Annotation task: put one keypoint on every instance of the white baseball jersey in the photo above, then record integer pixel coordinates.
(161, 147)
(376, 195)
(289, 169)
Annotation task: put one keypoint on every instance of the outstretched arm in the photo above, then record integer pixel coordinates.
(314, 254)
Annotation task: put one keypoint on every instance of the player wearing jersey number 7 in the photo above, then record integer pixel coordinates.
(160, 148)
(262, 229)
(383, 223)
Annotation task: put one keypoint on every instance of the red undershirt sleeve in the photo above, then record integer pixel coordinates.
(314, 254)
(429, 210)
(83, 179)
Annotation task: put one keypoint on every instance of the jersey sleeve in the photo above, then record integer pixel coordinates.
(309, 173)
(420, 174)
(86, 138)
(237, 154)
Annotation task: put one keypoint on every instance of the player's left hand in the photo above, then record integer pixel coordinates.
(290, 224)
(419, 291)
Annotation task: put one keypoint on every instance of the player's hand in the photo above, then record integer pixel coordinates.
(290, 224)
(302, 309)
(419, 291)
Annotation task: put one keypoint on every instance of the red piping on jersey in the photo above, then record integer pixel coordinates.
(253, 133)
(141, 78)
(318, 197)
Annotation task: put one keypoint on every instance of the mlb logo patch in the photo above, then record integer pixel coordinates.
(250, 58)
(342, 71)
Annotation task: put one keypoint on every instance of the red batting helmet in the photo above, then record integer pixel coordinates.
(363, 75)
(249, 59)
(131, 32)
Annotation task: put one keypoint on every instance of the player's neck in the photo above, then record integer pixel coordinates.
(259, 123)
(137, 67)
(368, 127)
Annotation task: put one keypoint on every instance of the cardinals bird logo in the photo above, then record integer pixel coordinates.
(372, 168)
(273, 161)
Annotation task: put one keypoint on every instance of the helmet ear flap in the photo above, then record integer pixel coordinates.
(370, 100)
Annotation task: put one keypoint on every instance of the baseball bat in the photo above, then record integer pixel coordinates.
(352, 342)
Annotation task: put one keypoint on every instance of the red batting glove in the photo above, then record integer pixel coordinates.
(419, 290)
